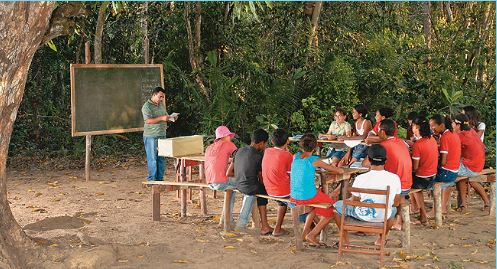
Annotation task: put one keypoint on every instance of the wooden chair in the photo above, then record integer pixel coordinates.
(352, 224)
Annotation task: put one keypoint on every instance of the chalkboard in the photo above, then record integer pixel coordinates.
(107, 98)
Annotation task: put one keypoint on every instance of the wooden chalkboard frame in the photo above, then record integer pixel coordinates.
(74, 132)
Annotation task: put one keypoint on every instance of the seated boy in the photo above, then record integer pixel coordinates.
(377, 178)
(276, 165)
(303, 189)
(217, 155)
(246, 168)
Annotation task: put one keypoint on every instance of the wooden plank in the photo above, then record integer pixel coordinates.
(183, 191)
(174, 183)
(437, 200)
(406, 226)
(296, 227)
(203, 200)
(156, 203)
(323, 205)
(492, 199)
(227, 210)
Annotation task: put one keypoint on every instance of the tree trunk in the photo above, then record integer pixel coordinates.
(448, 10)
(194, 53)
(144, 26)
(313, 37)
(99, 30)
(22, 29)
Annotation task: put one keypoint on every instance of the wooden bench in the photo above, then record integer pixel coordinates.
(173, 185)
(437, 193)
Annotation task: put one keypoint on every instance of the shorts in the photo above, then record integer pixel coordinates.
(405, 193)
(280, 203)
(447, 177)
(350, 211)
(320, 197)
(360, 151)
(422, 182)
(465, 172)
(334, 153)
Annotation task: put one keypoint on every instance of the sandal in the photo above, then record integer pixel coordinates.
(461, 209)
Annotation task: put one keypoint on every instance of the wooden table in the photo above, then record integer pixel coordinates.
(184, 162)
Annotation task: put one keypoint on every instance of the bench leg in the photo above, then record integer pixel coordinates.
(406, 226)
(492, 199)
(203, 201)
(190, 179)
(256, 218)
(437, 200)
(227, 210)
(296, 228)
(323, 237)
(155, 203)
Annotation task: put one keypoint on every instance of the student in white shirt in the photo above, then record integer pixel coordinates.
(377, 178)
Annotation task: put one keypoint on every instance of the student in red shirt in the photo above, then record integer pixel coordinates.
(472, 158)
(276, 166)
(398, 161)
(381, 114)
(424, 163)
(450, 156)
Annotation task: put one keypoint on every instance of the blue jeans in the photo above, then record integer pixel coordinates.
(245, 211)
(335, 153)
(229, 185)
(155, 163)
(360, 151)
(447, 177)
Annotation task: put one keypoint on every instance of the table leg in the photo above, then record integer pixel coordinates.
(203, 201)
(183, 191)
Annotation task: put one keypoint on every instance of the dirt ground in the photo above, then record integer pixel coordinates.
(107, 223)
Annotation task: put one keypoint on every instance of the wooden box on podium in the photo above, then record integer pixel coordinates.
(181, 146)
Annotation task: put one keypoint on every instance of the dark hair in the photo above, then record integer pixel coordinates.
(424, 126)
(473, 116)
(412, 115)
(279, 137)
(341, 111)
(158, 89)
(386, 112)
(439, 119)
(377, 154)
(462, 120)
(308, 142)
(361, 109)
(388, 125)
(259, 135)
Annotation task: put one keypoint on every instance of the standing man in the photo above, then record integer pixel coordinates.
(155, 117)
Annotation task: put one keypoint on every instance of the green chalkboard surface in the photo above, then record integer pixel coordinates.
(107, 98)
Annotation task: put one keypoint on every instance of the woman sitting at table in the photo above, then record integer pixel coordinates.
(362, 126)
(339, 127)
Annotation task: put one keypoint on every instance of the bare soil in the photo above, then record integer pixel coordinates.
(107, 223)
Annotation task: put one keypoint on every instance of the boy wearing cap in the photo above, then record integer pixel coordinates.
(217, 156)
(379, 179)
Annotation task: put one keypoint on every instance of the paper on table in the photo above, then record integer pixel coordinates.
(173, 117)
(352, 143)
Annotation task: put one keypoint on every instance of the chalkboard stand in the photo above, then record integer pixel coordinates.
(88, 137)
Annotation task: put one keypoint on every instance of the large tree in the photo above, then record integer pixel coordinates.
(23, 28)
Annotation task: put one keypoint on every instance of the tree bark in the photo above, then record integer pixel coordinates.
(448, 10)
(313, 37)
(22, 31)
(97, 46)
(194, 53)
(144, 26)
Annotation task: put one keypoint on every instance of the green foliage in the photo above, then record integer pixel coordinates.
(260, 72)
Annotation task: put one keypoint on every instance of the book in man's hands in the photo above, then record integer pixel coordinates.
(173, 117)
